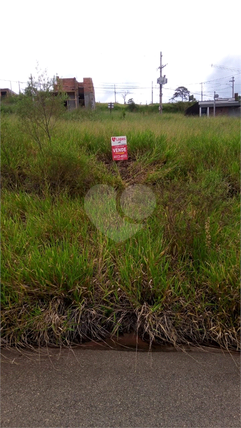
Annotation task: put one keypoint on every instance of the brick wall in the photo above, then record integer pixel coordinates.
(67, 85)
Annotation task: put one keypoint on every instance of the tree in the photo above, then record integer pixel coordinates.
(39, 107)
(192, 98)
(124, 95)
(181, 92)
(131, 104)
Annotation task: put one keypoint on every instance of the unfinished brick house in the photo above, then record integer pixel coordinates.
(80, 94)
(5, 93)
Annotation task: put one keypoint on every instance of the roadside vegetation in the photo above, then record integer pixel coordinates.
(176, 281)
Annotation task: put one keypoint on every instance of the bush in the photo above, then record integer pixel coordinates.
(9, 105)
(131, 105)
(39, 108)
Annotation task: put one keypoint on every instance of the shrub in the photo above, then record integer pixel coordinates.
(39, 108)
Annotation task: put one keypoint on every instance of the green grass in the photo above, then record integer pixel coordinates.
(176, 280)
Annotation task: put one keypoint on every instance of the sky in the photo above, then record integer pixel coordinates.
(118, 45)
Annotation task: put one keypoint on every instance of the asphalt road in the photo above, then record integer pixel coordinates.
(94, 388)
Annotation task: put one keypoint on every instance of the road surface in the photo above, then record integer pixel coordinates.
(112, 388)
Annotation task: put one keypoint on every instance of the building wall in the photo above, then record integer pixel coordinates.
(89, 93)
(67, 85)
(235, 112)
(73, 101)
(225, 111)
(89, 101)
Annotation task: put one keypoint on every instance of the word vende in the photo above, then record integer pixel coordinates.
(119, 148)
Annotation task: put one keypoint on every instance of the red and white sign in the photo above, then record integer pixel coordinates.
(119, 148)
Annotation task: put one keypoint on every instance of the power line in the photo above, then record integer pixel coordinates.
(107, 88)
(213, 80)
(130, 85)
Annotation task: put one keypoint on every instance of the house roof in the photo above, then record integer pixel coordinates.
(225, 102)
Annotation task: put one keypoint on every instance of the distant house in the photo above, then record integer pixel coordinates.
(5, 93)
(222, 106)
(79, 93)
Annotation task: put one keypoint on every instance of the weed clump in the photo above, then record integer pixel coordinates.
(175, 281)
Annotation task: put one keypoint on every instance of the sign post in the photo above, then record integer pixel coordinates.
(111, 106)
(119, 148)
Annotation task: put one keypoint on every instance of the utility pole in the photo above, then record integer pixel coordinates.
(214, 103)
(232, 81)
(152, 92)
(201, 91)
(115, 93)
(160, 107)
(161, 81)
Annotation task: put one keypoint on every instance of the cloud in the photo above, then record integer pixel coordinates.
(220, 78)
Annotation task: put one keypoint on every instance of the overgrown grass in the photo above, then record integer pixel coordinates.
(175, 281)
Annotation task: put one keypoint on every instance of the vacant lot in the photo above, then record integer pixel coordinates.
(175, 280)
